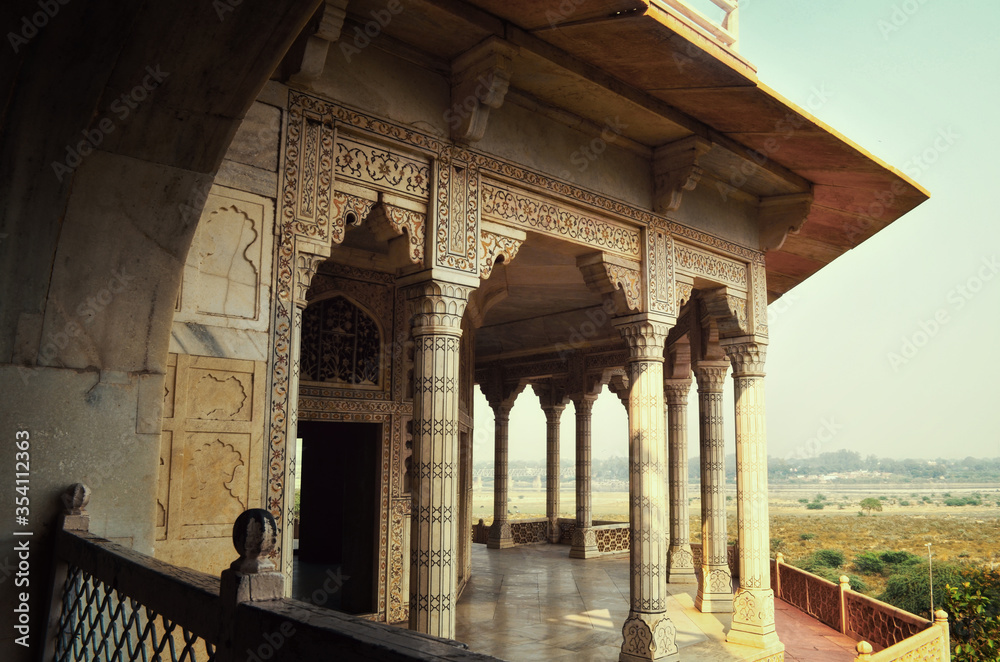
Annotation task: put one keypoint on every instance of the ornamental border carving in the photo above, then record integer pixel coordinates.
(302, 105)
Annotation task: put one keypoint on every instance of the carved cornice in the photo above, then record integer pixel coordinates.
(747, 357)
(779, 215)
(480, 78)
(302, 105)
(675, 170)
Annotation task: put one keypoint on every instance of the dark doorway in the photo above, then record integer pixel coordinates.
(338, 528)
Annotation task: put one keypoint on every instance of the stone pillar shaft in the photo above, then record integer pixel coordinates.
(648, 633)
(753, 605)
(584, 542)
(715, 593)
(433, 548)
(680, 556)
(500, 537)
(552, 416)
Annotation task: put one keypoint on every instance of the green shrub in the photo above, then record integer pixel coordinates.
(904, 502)
(803, 500)
(820, 497)
(806, 536)
(975, 631)
(869, 563)
(831, 558)
(900, 558)
(814, 505)
(909, 589)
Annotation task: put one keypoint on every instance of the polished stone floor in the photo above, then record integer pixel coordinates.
(535, 603)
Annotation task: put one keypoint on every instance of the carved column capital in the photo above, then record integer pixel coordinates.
(711, 375)
(645, 339)
(437, 307)
(306, 266)
(676, 391)
(747, 357)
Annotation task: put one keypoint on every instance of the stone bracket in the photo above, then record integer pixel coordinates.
(498, 242)
(322, 31)
(675, 170)
(729, 310)
(306, 266)
(480, 78)
(613, 277)
(403, 229)
(781, 215)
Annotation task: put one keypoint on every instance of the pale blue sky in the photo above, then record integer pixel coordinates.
(898, 74)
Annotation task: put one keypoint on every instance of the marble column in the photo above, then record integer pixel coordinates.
(680, 556)
(500, 537)
(753, 604)
(584, 540)
(648, 633)
(552, 416)
(436, 327)
(715, 590)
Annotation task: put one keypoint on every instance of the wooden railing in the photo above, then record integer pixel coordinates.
(725, 31)
(111, 603)
(877, 626)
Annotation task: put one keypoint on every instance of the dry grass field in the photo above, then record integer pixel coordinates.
(907, 521)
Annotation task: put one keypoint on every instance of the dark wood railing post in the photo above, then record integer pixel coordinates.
(73, 518)
(250, 578)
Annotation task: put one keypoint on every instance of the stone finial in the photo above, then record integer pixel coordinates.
(940, 615)
(254, 537)
(75, 499)
(845, 582)
(780, 558)
(864, 650)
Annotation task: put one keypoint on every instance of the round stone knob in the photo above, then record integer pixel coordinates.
(75, 499)
(254, 537)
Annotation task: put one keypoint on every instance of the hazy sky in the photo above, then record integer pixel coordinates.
(856, 350)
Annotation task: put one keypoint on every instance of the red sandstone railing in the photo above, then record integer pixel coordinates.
(111, 603)
(876, 625)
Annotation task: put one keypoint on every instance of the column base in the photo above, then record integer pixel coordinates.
(584, 544)
(554, 533)
(681, 566)
(715, 591)
(500, 537)
(648, 637)
(753, 619)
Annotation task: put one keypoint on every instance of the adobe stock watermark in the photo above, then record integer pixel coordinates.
(914, 168)
(365, 34)
(585, 331)
(589, 152)
(785, 128)
(811, 447)
(928, 329)
(902, 13)
(122, 107)
(86, 312)
(32, 24)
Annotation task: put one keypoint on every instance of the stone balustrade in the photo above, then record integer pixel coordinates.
(110, 602)
(725, 31)
(894, 633)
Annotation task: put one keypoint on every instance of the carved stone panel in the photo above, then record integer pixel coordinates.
(211, 458)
